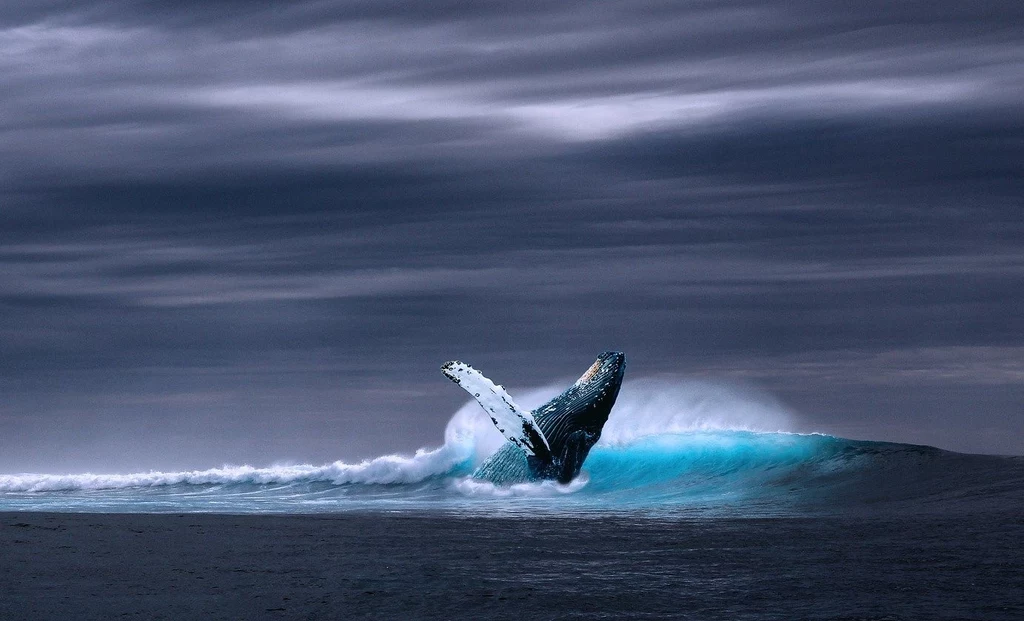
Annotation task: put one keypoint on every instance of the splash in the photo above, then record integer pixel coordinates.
(540, 489)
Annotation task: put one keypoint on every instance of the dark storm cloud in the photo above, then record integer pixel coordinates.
(219, 214)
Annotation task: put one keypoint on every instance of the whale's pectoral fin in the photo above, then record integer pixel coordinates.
(516, 424)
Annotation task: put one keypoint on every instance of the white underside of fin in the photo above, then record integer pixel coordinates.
(516, 424)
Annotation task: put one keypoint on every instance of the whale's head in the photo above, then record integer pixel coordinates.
(587, 403)
(606, 372)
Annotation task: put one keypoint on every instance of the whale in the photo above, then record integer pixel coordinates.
(552, 441)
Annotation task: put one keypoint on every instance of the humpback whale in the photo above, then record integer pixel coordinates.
(552, 441)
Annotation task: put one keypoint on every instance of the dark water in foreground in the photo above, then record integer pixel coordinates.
(352, 566)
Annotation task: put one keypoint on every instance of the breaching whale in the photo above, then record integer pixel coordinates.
(552, 441)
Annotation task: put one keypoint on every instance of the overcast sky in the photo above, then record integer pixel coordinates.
(231, 233)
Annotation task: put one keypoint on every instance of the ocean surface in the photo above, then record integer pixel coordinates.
(443, 566)
(692, 507)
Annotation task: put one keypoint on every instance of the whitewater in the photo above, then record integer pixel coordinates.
(670, 447)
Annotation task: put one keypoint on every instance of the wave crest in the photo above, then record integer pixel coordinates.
(387, 469)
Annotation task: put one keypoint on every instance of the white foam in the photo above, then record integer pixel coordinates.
(476, 487)
(381, 470)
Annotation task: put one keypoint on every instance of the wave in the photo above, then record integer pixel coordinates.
(644, 408)
(667, 446)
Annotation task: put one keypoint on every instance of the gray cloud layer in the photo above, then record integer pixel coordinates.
(274, 224)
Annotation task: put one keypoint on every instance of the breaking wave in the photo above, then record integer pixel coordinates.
(668, 446)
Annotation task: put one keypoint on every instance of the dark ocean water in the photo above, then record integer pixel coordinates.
(421, 566)
(951, 567)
